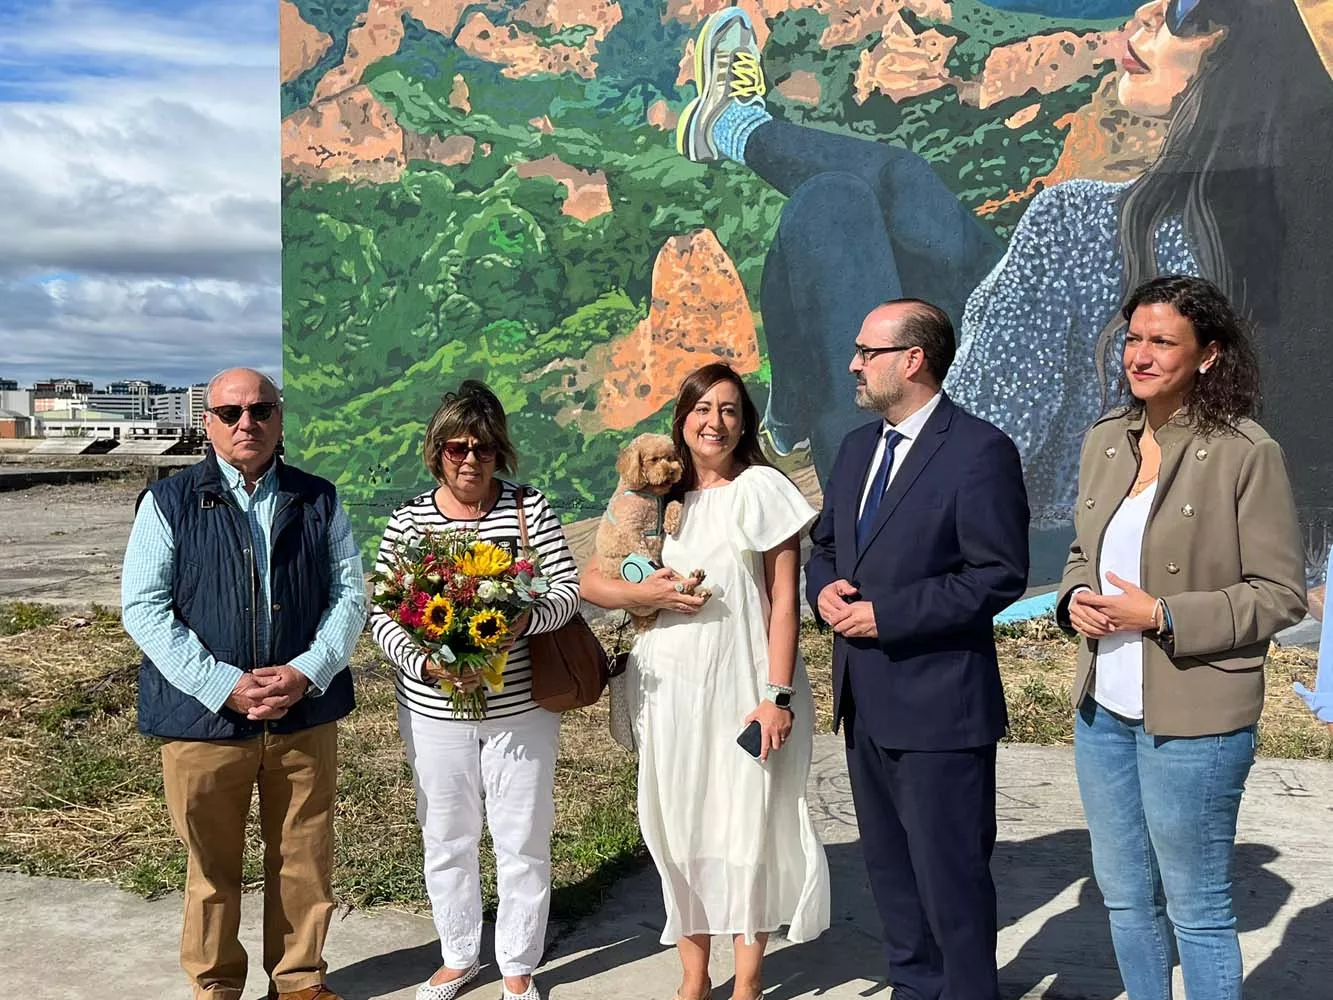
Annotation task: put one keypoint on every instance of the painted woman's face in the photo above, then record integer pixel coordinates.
(1167, 46)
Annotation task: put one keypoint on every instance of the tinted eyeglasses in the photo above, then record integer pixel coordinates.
(229, 415)
(1183, 19)
(457, 451)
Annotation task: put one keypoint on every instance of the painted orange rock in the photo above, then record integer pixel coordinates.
(450, 150)
(851, 22)
(348, 137)
(1106, 141)
(542, 123)
(302, 44)
(1044, 63)
(662, 116)
(1023, 116)
(379, 32)
(802, 87)
(699, 314)
(460, 96)
(586, 193)
(522, 53)
(904, 64)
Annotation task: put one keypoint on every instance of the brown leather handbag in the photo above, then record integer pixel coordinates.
(570, 669)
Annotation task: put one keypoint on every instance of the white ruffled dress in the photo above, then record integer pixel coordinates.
(731, 837)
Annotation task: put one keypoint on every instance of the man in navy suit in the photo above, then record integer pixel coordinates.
(922, 541)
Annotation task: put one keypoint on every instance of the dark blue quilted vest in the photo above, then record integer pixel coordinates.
(215, 590)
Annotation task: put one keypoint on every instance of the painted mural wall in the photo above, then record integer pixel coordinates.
(529, 193)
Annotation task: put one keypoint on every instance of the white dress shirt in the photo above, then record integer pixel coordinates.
(910, 429)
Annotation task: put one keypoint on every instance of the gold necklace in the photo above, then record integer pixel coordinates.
(1142, 484)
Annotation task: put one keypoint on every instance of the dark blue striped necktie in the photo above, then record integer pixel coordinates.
(878, 485)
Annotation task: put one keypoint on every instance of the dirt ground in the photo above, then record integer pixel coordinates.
(63, 545)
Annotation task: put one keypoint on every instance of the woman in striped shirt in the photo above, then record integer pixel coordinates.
(506, 758)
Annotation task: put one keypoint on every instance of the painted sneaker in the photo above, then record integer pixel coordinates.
(726, 71)
(450, 990)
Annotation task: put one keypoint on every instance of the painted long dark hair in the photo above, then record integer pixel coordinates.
(695, 386)
(1245, 167)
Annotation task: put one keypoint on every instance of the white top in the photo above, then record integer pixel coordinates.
(1119, 668)
(910, 429)
(732, 838)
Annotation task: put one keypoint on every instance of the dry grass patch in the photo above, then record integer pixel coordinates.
(81, 790)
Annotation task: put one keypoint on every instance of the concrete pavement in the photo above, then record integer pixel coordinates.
(72, 939)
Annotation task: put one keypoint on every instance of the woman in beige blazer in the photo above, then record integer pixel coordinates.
(1186, 561)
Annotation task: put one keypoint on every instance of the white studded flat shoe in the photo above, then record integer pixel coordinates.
(449, 990)
(531, 993)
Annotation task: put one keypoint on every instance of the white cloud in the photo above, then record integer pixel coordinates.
(150, 187)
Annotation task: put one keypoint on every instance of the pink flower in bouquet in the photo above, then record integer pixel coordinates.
(522, 566)
(409, 614)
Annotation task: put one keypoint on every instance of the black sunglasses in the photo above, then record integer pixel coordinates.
(229, 415)
(457, 451)
(867, 354)
(1181, 20)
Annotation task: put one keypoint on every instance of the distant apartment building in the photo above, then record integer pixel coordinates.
(17, 400)
(195, 398)
(62, 388)
(170, 408)
(125, 406)
(8, 384)
(55, 393)
(136, 387)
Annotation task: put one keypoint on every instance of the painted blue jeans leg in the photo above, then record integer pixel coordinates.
(1162, 816)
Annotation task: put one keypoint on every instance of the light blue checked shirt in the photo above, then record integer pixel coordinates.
(176, 651)
(1320, 699)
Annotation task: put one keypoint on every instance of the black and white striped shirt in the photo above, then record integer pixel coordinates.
(499, 525)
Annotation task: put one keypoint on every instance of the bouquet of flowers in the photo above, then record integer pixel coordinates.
(459, 599)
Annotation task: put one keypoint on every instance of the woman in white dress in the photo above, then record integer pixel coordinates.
(731, 835)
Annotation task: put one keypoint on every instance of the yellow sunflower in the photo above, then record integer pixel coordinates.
(488, 628)
(438, 616)
(484, 559)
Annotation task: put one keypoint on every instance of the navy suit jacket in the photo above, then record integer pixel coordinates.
(947, 552)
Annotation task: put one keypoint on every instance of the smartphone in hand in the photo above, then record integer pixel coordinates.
(751, 739)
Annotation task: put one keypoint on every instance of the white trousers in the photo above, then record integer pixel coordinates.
(510, 764)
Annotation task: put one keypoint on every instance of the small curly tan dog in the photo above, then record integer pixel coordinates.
(638, 517)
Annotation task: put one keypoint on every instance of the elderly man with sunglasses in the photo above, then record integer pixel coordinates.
(242, 585)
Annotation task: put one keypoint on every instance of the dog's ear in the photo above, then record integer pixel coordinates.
(629, 466)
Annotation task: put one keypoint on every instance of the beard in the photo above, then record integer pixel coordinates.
(879, 400)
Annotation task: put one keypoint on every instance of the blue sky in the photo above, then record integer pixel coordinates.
(139, 186)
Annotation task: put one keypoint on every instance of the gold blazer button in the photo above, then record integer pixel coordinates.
(1187, 510)
(1201, 454)
(1110, 453)
(1090, 503)
(1172, 568)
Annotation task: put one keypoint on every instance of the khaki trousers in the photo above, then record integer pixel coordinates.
(208, 786)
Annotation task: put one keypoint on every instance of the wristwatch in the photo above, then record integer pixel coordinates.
(783, 700)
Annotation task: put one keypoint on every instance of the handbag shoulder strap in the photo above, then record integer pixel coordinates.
(519, 493)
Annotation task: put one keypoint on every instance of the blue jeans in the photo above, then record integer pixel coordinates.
(1162, 815)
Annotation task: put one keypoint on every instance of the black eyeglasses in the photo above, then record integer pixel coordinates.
(1181, 20)
(867, 354)
(457, 451)
(229, 415)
